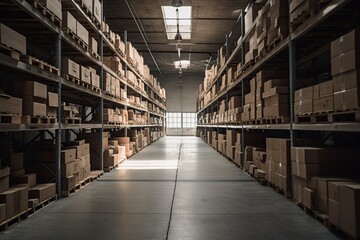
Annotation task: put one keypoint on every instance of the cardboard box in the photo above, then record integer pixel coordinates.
(29, 179)
(82, 33)
(85, 75)
(10, 104)
(87, 171)
(30, 88)
(68, 155)
(345, 43)
(43, 191)
(12, 39)
(275, 83)
(324, 104)
(69, 22)
(304, 94)
(68, 183)
(346, 81)
(53, 6)
(70, 68)
(308, 198)
(53, 100)
(33, 108)
(346, 61)
(93, 45)
(346, 100)
(89, 5)
(16, 200)
(304, 107)
(97, 10)
(350, 210)
(277, 110)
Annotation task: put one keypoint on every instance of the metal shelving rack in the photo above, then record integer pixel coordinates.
(70, 91)
(320, 26)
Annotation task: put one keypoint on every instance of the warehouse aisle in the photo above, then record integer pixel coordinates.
(213, 200)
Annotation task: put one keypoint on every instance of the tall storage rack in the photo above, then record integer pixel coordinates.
(307, 42)
(46, 37)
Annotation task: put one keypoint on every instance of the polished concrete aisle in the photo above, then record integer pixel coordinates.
(213, 200)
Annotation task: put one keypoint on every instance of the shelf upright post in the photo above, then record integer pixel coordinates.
(242, 53)
(101, 130)
(292, 71)
(58, 131)
(125, 74)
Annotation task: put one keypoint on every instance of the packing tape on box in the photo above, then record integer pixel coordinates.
(300, 108)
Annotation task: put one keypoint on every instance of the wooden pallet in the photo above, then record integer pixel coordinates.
(96, 21)
(95, 89)
(43, 204)
(306, 118)
(285, 193)
(72, 79)
(322, 117)
(301, 18)
(52, 69)
(247, 66)
(276, 120)
(95, 175)
(14, 220)
(108, 169)
(68, 193)
(71, 120)
(46, 12)
(262, 181)
(345, 116)
(10, 118)
(42, 120)
(275, 42)
(260, 55)
(10, 52)
(32, 61)
(95, 54)
(76, 38)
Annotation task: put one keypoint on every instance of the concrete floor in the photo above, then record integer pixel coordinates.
(213, 200)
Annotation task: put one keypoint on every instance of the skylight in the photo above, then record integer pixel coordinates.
(169, 14)
(183, 64)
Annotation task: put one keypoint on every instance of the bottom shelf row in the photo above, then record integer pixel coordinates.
(27, 177)
(317, 177)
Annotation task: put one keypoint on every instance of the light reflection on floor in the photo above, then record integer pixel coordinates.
(148, 164)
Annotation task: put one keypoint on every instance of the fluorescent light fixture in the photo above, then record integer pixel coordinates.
(169, 14)
(182, 64)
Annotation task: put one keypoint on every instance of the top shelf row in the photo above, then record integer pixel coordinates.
(77, 22)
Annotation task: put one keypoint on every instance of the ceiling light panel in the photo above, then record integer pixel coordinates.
(183, 64)
(169, 14)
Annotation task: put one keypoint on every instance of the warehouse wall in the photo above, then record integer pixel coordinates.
(181, 99)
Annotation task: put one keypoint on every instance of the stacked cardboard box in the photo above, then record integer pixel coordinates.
(52, 104)
(34, 97)
(298, 8)
(276, 98)
(120, 45)
(114, 155)
(230, 143)
(71, 24)
(262, 26)
(278, 162)
(324, 97)
(221, 143)
(259, 160)
(304, 101)
(125, 142)
(249, 108)
(12, 39)
(279, 20)
(309, 162)
(94, 140)
(345, 63)
(251, 15)
(70, 111)
(97, 10)
(114, 64)
(10, 105)
(214, 140)
(17, 166)
(13, 201)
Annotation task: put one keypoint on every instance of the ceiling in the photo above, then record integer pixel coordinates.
(211, 21)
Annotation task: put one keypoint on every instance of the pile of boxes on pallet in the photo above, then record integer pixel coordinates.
(340, 93)
(74, 27)
(19, 191)
(114, 155)
(278, 163)
(345, 61)
(13, 40)
(111, 86)
(116, 116)
(31, 99)
(141, 138)
(336, 197)
(87, 75)
(300, 10)
(114, 63)
(136, 117)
